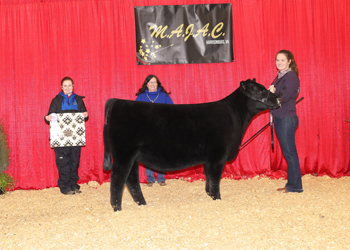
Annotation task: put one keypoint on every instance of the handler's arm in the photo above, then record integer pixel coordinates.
(82, 108)
(52, 109)
(290, 88)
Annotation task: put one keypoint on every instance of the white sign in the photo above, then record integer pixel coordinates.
(68, 130)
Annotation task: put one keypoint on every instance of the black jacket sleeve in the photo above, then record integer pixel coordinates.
(55, 107)
(81, 105)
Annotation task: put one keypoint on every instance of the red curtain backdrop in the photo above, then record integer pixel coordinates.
(93, 42)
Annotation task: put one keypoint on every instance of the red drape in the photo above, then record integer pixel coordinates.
(41, 41)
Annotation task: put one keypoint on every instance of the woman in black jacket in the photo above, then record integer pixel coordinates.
(67, 158)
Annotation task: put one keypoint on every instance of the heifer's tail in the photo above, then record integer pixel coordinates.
(107, 159)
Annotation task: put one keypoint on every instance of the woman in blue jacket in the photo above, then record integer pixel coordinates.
(152, 91)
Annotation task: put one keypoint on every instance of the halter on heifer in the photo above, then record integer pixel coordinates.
(242, 88)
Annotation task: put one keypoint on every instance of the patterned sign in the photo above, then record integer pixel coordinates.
(68, 130)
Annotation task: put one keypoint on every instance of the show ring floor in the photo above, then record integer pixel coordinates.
(251, 215)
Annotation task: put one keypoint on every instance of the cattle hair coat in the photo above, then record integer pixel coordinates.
(172, 137)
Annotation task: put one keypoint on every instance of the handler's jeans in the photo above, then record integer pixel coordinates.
(150, 176)
(285, 130)
(67, 161)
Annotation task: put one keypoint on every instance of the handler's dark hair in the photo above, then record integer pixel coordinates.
(67, 78)
(289, 55)
(144, 85)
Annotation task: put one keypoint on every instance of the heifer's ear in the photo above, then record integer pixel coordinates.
(243, 85)
(254, 80)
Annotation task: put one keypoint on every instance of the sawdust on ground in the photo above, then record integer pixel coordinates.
(251, 215)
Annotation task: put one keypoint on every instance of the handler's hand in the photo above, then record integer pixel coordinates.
(48, 117)
(272, 89)
(85, 114)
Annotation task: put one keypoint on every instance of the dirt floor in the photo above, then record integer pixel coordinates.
(251, 215)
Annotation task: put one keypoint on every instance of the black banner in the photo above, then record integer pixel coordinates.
(176, 34)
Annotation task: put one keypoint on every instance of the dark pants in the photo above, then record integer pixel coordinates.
(67, 161)
(285, 130)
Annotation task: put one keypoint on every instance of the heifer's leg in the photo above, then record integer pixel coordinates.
(213, 171)
(119, 175)
(133, 184)
(107, 160)
(205, 167)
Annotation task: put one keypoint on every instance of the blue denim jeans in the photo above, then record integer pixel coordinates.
(285, 130)
(150, 176)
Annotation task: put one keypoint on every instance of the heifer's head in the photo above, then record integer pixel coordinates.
(257, 92)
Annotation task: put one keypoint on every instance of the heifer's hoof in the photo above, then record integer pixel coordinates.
(107, 166)
(107, 163)
(117, 208)
(216, 197)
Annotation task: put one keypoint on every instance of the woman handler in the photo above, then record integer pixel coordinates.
(286, 86)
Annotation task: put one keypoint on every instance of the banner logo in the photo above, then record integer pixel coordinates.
(176, 34)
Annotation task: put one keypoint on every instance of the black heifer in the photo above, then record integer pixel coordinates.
(172, 137)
